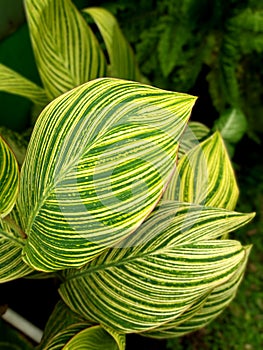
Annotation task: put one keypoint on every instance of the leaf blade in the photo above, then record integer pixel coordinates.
(205, 175)
(160, 271)
(14, 83)
(66, 51)
(123, 138)
(9, 179)
(122, 59)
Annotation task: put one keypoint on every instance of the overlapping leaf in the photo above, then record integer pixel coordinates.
(67, 330)
(67, 52)
(199, 315)
(97, 163)
(11, 264)
(15, 83)
(194, 134)
(171, 262)
(9, 179)
(205, 175)
(96, 338)
(121, 56)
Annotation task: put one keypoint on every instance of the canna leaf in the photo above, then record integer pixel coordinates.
(96, 338)
(66, 51)
(205, 175)
(171, 262)
(9, 179)
(14, 83)
(97, 163)
(201, 314)
(11, 264)
(122, 59)
(62, 325)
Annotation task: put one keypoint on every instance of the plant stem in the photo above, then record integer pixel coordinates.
(14, 226)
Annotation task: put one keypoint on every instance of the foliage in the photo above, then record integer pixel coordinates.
(179, 43)
(138, 244)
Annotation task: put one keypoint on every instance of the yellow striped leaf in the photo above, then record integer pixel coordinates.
(200, 314)
(62, 325)
(96, 338)
(9, 179)
(66, 51)
(122, 59)
(14, 83)
(205, 175)
(11, 264)
(171, 262)
(98, 161)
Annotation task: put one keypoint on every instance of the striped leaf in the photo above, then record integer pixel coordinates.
(193, 135)
(198, 316)
(67, 330)
(14, 83)
(171, 262)
(122, 59)
(205, 175)
(60, 339)
(9, 179)
(96, 338)
(62, 325)
(11, 264)
(97, 163)
(66, 51)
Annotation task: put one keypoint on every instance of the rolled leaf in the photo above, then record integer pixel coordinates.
(14, 83)
(171, 262)
(205, 175)
(9, 179)
(122, 59)
(66, 51)
(198, 317)
(97, 163)
(96, 338)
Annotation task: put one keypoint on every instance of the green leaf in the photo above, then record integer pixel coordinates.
(62, 325)
(97, 163)
(215, 304)
(96, 338)
(122, 59)
(11, 264)
(171, 262)
(66, 51)
(60, 339)
(14, 83)
(193, 135)
(232, 125)
(205, 175)
(9, 179)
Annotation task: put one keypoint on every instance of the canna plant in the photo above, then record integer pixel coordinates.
(138, 244)
(127, 203)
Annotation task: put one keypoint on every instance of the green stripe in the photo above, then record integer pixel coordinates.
(66, 51)
(9, 179)
(122, 59)
(205, 175)
(97, 164)
(171, 262)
